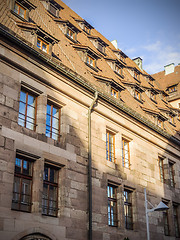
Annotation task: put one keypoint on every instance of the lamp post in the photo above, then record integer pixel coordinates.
(160, 207)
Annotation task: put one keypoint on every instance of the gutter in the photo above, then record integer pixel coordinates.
(90, 165)
(83, 82)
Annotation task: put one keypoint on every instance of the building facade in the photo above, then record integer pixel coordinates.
(83, 130)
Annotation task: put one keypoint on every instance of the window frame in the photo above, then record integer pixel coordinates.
(41, 44)
(52, 105)
(137, 95)
(20, 7)
(110, 154)
(53, 184)
(22, 176)
(176, 220)
(161, 169)
(166, 220)
(73, 36)
(88, 58)
(114, 91)
(171, 174)
(112, 200)
(123, 153)
(160, 123)
(27, 92)
(128, 204)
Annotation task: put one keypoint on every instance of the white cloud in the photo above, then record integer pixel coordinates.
(159, 55)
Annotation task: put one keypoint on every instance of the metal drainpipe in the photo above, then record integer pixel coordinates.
(90, 165)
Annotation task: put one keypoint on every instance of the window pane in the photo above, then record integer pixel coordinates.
(16, 7)
(38, 43)
(21, 12)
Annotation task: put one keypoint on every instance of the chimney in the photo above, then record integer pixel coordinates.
(169, 68)
(114, 43)
(138, 61)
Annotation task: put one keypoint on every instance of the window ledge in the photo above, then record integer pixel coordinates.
(17, 15)
(153, 100)
(120, 75)
(95, 69)
(141, 101)
(173, 124)
(74, 41)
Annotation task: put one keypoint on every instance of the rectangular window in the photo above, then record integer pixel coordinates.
(114, 93)
(153, 96)
(136, 75)
(101, 47)
(161, 169)
(110, 146)
(176, 223)
(19, 10)
(171, 174)
(90, 61)
(27, 110)
(172, 89)
(71, 34)
(42, 45)
(86, 29)
(50, 191)
(166, 221)
(53, 10)
(128, 209)
(137, 95)
(118, 69)
(53, 122)
(112, 205)
(160, 123)
(171, 119)
(125, 153)
(22, 188)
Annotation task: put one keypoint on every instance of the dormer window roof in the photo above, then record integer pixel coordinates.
(52, 7)
(98, 43)
(85, 26)
(88, 56)
(120, 55)
(116, 66)
(112, 87)
(68, 29)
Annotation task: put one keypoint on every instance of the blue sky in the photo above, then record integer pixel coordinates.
(149, 29)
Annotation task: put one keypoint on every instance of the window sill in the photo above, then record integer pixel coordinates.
(95, 69)
(153, 100)
(74, 41)
(141, 101)
(137, 80)
(173, 124)
(120, 75)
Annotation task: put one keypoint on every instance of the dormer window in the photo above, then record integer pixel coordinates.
(52, 7)
(172, 89)
(42, 45)
(98, 43)
(137, 76)
(118, 70)
(53, 10)
(137, 95)
(71, 34)
(19, 10)
(114, 93)
(153, 96)
(85, 26)
(160, 123)
(86, 29)
(120, 55)
(90, 61)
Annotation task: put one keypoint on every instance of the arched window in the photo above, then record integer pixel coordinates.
(35, 236)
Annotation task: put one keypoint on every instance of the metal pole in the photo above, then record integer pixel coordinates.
(147, 217)
(90, 165)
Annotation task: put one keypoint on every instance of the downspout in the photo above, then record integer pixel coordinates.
(90, 165)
